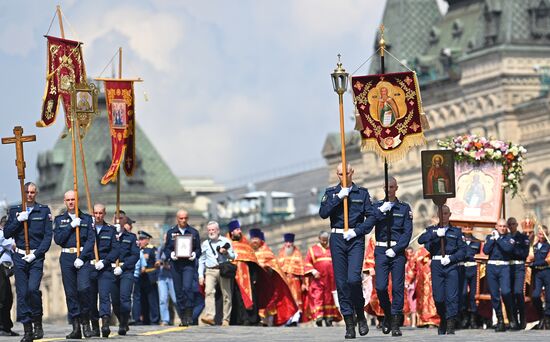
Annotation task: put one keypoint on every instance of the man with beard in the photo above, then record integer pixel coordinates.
(245, 294)
(291, 263)
(517, 271)
(281, 305)
(75, 268)
(28, 268)
(318, 266)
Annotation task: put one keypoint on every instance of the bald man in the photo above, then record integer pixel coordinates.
(75, 265)
(499, 246)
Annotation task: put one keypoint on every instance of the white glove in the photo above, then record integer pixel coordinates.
(76, 222)
(350, 234)
(495, 235)
(386, 206)
(22, 216)
(314, 272)
(29, 257)
(344, 192)
(445, 260)
(117, 226)
(193, 256)
(441, 232)
(99, 265)
(173, 256)
(78, 263)
(390, 253)
(117, 271)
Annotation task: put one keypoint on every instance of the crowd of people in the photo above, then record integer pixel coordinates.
(237, 279)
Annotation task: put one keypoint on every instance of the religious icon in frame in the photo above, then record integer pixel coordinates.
(183, 246)
(478, 194)
(118, 112)
(438, 174)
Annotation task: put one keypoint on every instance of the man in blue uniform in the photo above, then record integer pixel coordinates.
(348, 248)
(517, 271)
(469, 282)
(393, 234)
(75, 269)
(499, 246)
(148, 281)
(541, 275)
(28, 267)
(447, 248)
(183, 269)
(121, 291)
(102, 277)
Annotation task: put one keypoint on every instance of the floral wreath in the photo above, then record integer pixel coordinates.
(475, 150)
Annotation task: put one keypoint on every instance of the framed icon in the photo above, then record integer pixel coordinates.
(183, 246)
(118, 113)
(438, 174)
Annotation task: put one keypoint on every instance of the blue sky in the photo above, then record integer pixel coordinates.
(234, 87)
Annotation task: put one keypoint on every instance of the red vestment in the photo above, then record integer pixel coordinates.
(425, 305)
(293, 268)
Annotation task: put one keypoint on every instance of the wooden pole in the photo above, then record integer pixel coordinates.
(18, 140)
(344, 162)
(118, 172)
(62, 30)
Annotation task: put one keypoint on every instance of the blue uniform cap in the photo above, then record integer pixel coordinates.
(289, 237)
(233, 224)
(144, 235)
(255, 233)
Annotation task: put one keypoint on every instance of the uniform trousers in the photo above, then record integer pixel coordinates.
(121, 292)
(445, 289)
(76, 283)
(498, 278)
(101, 283)
(27, 287)
(542, 280)
(385, 265)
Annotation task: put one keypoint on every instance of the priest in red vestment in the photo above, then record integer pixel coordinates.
(291, 263)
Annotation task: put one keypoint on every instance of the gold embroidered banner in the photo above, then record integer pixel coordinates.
(65, 68)
(390, 113)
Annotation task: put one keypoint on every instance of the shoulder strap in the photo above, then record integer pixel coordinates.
(212, 248)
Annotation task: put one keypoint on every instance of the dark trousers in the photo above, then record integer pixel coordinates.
(121, 293)
(347, 262)
(542, 280)
(101, 284)
(136, 299)
(76, 283)
(182, 275)
(383, 267)
(150, 308)
(6, 301)
(517, 280)
(498, 278)
(27, 286)
(469, 289)
(445, 289)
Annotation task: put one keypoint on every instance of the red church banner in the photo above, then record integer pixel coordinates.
(120, 110)
(390, 110)
(65, 68)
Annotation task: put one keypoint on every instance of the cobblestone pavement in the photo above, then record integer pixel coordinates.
(241, 334)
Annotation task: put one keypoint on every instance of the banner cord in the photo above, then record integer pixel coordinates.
(108, 63)
(51, 23)
(365, 62)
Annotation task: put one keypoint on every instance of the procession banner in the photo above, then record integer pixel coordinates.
(65, 68)
(390, 108)
(119, 96)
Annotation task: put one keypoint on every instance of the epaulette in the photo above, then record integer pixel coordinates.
(379, 202)
(15, 207)
(331, 188)
(362, 188)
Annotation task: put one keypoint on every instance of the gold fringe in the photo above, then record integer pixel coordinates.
(395, 155)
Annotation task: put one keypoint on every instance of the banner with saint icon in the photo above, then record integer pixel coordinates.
(65, 69)
(119, 95)
(390, 108)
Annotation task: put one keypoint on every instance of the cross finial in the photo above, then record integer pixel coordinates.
(18, 140)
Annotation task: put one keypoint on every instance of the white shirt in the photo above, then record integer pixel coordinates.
(7, 246)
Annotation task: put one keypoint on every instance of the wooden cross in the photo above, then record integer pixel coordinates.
(18, 140)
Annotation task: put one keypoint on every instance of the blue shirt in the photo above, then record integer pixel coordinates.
(6, 246)
(455, 247)
(129, 252)
(399, 219)
(500, 249)
(140, 264)
(65, 235)
(541, 253)
(210, 256)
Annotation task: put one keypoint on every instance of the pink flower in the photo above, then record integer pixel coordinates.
(480, 154)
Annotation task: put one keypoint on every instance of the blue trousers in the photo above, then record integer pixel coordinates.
(469, 284)
(101, 283)
(166, 289)
(383, 267)
(182, 276)
(347, 262)
(445, 289)
(149, 300)
(27, 287)
(542, 279)
(121, 292)
(136, 299)
(76, 283)
(517, 280)
(498, 278)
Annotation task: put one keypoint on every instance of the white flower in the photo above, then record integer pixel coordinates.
(511, 176)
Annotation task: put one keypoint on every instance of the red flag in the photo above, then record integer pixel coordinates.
(120, 110)
(390, 113)
(65, 68)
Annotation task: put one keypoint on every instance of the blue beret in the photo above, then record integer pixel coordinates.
(144, 235)
(233, 224)
(289, 237)
(255, 233)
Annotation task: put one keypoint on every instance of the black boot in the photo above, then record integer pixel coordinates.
(123, 324)
(395, 324)
(473, 320)
(362, 324)
(386, 324)
(522, 322)
(319, 322)
(499, 327)
(29, 334)
(86, 331)
(350, 327)
(512, 319)
(546, 322)
(76, 334)
(442, 328)
(95, 328)
(183, 319)
(38, 330)
(328, 322)
(451, 322)
(105, 331)
(465, 322)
